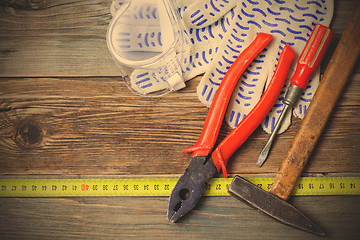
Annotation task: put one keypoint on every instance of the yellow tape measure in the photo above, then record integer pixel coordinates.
(162, 186)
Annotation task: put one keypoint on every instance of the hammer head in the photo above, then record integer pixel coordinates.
(272, 205)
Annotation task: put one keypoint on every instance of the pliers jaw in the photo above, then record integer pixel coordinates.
(190, 187)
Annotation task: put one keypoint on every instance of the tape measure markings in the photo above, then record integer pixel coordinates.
(162, 186)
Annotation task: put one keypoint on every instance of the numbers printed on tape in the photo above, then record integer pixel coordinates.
(162, 186)
(84, 187)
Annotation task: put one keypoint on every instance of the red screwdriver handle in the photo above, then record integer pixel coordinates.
(215, 116)
(246, 127)
(312, 55)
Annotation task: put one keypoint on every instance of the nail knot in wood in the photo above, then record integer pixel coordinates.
(28, 135)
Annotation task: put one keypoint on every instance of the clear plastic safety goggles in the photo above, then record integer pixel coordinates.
(147, 41)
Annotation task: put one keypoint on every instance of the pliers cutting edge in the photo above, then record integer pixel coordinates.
(205, 163)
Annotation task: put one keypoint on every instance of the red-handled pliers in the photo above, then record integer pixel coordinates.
(205, 163)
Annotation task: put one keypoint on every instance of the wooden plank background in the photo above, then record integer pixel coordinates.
(64, 111)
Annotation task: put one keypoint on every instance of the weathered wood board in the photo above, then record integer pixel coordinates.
(65, 111)
(84, 126)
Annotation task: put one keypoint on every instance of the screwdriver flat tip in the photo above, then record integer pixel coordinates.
(265, 152)
(263, 156)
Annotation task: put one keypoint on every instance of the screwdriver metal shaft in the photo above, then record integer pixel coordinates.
(291, 97)
(265, 152)
(308, 62)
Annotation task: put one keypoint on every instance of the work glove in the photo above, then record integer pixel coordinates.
(200, 45)
(290, 22)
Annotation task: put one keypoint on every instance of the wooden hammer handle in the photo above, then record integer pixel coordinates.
(329, 90)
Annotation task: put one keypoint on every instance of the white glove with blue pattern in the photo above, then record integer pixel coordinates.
(290, 22)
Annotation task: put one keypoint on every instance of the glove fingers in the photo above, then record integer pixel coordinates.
(204, 41)
(248, 91)
(249, 88)
(211, 80)
(204, 13)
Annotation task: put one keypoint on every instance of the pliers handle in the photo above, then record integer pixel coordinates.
(204, 165)
(214, 119)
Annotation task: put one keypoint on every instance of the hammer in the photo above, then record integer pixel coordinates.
(330, 88)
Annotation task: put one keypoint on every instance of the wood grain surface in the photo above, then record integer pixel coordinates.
(64, 111)
(84, 126)
(144, 218)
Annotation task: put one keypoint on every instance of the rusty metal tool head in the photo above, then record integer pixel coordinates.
(190, 187)
(272, 205)
(324, 101)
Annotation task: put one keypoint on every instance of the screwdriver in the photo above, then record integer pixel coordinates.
(308, 62)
